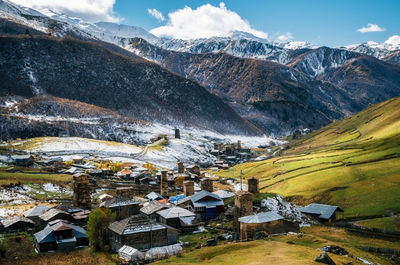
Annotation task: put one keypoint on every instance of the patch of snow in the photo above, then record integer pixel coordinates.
(50, 187)
(286, 209)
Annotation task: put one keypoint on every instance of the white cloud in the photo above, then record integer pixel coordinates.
(285, 37)
(394, 40)
(91, 10)
(371, 28)
(155, 13)
(204, 22)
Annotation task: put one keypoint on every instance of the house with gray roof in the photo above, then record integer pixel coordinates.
(17, 224)
(139, 232)
(60, 235)
(268, 223)
(207, 204)
(154, 196)
(55, 214)
(152, 207)
(179, 218)
(121, 206)
(323, 212)
(35, 212)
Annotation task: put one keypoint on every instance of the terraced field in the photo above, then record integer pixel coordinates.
(353, 163)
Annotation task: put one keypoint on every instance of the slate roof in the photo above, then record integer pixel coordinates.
(323, 210)
(154, 206)
(135, 224)
(46, 216)
(12, 220)
(65, 207)
(260, 218)
(175, 212)
(47, 234)
(154, 196)
(117, 201)
(217, 201)
(36, 211)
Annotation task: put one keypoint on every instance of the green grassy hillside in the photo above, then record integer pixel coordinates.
(353, 163)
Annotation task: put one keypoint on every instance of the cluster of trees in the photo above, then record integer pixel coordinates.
(97, 227)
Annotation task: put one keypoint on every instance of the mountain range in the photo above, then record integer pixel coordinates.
(238, 83)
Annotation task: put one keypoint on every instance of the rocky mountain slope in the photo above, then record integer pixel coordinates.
(51, 116)
(273, 96)
(88, 72)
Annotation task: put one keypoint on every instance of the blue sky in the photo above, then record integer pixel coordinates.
(320, 22)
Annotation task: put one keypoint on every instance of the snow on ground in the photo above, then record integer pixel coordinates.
(12, 197)
(286, 209)
(50, 187)
(192, 148)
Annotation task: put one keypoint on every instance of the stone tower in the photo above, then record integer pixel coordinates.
(252, 185)
(181, 167)
(188, 188)
(207, 184)
(243, 207)
(81, 188)
(164, 183)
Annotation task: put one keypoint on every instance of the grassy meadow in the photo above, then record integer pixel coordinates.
(353, 163)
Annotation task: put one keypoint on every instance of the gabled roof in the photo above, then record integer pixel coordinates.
(13, 220)
(154, 196)
(260, 218)
(117, 201)
(323, 210)
(200, 195)
(135, 224)
(46, 216)
(68, 208)
(36, 211)
(47, 234)
(175, 212)
(154, 206)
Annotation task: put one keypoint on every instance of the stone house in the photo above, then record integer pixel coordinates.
(140, 232)
(17, 224)
(323, 212)
(55, 214)
(121, 206)
(35, 212)
(179, 218)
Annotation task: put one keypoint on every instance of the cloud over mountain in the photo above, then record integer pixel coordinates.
(371, 28)
(204, 22)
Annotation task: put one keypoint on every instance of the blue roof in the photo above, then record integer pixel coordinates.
(47, 234)
(176, 198)
(323, 210)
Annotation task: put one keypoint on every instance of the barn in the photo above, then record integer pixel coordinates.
(323, 212)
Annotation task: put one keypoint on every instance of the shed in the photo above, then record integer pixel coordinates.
(128, 253)
(267, 222)
(323, 212)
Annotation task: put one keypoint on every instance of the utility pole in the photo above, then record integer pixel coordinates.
(241, 180)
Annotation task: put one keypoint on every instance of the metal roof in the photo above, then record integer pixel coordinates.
(135, 224)
(323, 210)
(117, 201)
(154, 196)
(36, 211)
(175, 212)
(260, 218)
(200, 195)
(46, 216)
(47, 234)
(154, 206)
(12, 220)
